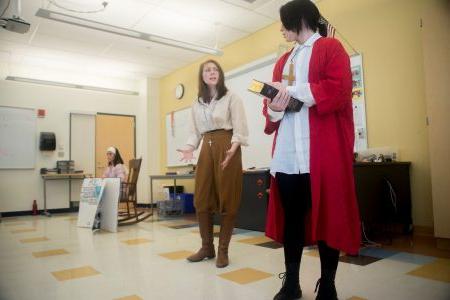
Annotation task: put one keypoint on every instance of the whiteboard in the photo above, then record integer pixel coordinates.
(17, 138)
(258, 152)
(177, 133)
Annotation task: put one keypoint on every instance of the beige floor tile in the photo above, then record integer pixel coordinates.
(48, 253)
(75, 273)
(143, 271)
(10, 219)
(176, 255)
(437, 270)
(245, 275)
(177, 223)
(12, 224)
(136, 241)
(216, 229)
(34, 240)
(132, 297)
(22, 230)
(256, 240)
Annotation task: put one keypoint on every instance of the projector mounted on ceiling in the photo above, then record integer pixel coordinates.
(14, 24)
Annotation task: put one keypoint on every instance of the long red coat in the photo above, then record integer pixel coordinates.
(334, 216)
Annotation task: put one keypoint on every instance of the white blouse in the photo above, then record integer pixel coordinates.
(292, 152)
(225, 113)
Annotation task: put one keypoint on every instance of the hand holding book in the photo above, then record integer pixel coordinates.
(279, 97)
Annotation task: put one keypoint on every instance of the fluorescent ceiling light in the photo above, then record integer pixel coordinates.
(68, 19)
(72, 85)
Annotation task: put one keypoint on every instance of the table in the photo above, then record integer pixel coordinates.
(70, 177)
(175, 177)
(383, 190)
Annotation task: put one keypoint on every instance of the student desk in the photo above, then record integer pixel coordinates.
(69, 177)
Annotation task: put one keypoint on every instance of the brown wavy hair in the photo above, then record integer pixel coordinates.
(203, 90)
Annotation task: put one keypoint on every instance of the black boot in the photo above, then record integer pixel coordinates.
(291, 284)
(327, 288)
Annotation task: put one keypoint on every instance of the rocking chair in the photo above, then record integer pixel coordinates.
(128, 198)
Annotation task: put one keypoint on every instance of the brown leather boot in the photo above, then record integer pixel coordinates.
(205, 224)
(226, 231)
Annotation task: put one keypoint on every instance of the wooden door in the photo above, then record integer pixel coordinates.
(116, 131)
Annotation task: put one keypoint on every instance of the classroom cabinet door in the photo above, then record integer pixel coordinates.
(116, 131)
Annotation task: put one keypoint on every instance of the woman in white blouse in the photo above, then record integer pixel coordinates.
(116, 167)
(218, 117)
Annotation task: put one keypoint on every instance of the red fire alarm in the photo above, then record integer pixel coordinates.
(41, 113)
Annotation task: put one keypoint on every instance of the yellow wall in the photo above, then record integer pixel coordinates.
(387, 33)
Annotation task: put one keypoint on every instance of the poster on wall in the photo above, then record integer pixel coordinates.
(359, 104)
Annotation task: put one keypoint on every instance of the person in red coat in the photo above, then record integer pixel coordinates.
(312, 195)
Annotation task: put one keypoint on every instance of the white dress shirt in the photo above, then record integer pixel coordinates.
(226, 113)
(291, 154)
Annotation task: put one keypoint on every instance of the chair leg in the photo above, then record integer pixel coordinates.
(128, 208)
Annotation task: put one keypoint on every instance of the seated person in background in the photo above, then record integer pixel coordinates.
(116, 167)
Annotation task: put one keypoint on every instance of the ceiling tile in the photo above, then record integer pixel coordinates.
(118, 12)
(217, 11)
(175, 25)
(53, 42)
(271, 9)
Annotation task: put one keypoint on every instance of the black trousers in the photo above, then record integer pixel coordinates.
(295, 193)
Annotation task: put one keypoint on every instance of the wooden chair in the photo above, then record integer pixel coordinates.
(128, 197)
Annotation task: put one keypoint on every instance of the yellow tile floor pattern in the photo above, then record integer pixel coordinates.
(176, 255)
(256, 240)
(48, 253)
(437, 270)
(132, 297)
(245, 275)
(75, 273)
(137, 241)
(63, 261)
(34, 240)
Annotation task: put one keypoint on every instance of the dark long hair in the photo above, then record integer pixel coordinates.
(298, 13)
(117, 158)
(203, 90)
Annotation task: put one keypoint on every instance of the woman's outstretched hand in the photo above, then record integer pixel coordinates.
(187, 154)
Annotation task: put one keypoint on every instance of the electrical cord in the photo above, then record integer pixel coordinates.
(392, 194)
(367, 242)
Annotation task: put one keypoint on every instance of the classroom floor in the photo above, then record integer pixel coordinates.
(50, 258)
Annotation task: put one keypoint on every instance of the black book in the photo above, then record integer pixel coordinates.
(263, 89)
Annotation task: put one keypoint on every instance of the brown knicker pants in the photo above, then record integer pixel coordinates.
(217, 190)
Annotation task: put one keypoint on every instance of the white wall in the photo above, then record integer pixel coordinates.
(18, 188)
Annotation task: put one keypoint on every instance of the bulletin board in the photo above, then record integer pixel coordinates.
(359, 102)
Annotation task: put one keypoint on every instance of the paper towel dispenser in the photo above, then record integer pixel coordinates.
(47, 141)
